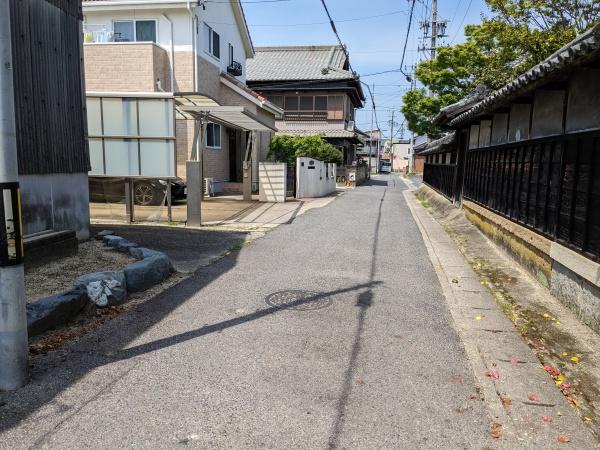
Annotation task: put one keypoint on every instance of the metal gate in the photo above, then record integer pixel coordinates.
(290, 188)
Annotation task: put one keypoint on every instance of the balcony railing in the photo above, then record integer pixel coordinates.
(235, 69)
(97, 33)
(308, 115)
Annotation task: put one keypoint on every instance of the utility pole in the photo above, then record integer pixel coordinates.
(371, 138)
(434, 27)
(437, 28)
(411, 159)
(392, 143)
(13, 316)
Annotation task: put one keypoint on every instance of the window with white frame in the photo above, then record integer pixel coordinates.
(213, 135)
(212, 42)
(134, 30)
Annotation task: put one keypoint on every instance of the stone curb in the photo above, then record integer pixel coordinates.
(152, 268)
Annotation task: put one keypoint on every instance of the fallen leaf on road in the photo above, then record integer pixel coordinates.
(533, 398)
(565, 354)
(559, 413)
(566, 386)
(547, 418)
(551, 370)
(360, 382)
(575, 359)
(563, 438)
(492, 374)
(496, 430)
(454, 280)
(513, 361)
(546, 315)
(506, 401)
(456, 379)
(478, 317)
(587, 419)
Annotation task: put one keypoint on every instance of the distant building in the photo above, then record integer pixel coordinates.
(315, 88)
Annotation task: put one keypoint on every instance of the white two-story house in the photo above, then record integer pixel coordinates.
(186, 53)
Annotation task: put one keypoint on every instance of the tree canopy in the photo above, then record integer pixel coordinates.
(285, 148)
(516, 36)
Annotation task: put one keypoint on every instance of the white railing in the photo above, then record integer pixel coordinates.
(97, 33)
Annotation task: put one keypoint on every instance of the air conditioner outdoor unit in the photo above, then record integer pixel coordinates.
(212, 187)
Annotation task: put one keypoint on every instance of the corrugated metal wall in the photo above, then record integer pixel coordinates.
(49, 98)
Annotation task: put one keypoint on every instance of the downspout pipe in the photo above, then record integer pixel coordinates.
(171, 52)
(194, 35)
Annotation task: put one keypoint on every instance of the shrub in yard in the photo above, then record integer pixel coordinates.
(286, 149)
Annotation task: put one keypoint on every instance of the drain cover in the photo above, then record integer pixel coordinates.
(298, 300)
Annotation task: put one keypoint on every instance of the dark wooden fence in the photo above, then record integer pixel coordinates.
(551, 185)
(440, 177)
(49, 95)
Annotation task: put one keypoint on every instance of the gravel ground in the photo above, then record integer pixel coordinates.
(58, 276)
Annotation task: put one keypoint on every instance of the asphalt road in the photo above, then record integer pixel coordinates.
(366, 357)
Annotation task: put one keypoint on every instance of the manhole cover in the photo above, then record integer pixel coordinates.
(298, 300)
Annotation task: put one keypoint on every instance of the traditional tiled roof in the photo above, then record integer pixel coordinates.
(298, 63)
(451, 111)
(583, 48)
(435, 146)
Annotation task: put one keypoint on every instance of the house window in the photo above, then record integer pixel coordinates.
(291, 103)
(306, 103)
(230, 54)
(321, 103)
(213, 135)
(212, 42)
(135, 30)
(276, 100)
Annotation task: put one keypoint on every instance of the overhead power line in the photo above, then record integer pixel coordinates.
(332, 23)
(410, 19)
(306, 24)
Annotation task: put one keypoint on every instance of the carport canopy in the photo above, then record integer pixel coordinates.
(231, 116)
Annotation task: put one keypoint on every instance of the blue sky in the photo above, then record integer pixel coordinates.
(374, 41)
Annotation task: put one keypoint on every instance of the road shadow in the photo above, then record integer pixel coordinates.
(57, 371)
(188, 249)
(52, 373)
(364, 301)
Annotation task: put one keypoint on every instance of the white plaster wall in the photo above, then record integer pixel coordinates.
(317, 182)
(220, 17)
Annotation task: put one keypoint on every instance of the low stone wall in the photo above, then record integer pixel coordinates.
(571, 277)
(100, 288)
(530, 249)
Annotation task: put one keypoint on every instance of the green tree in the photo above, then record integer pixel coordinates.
(286, 149)
(517, 35)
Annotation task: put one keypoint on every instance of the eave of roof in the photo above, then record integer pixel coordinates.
(583, 48)
(436, 146)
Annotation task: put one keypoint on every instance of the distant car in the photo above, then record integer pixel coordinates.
(386, 167)
(146, 192)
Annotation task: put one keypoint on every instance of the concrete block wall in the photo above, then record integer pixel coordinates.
(125, 67)
(272, 182)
